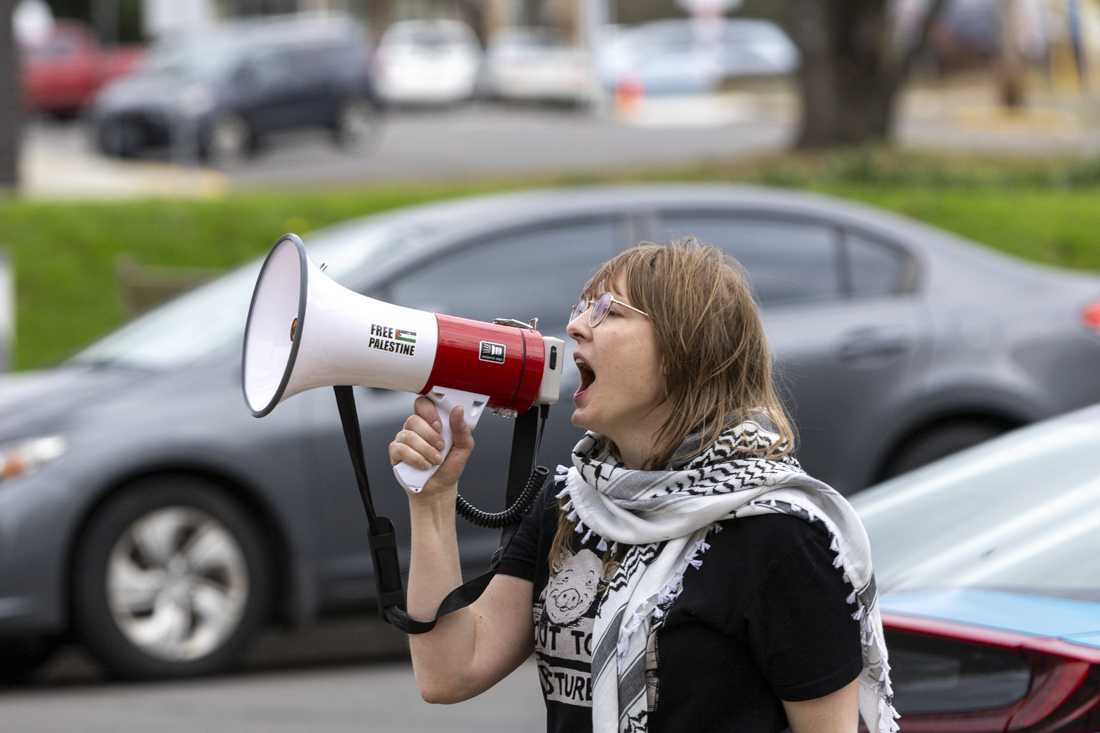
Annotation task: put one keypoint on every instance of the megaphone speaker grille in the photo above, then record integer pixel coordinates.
(275, 321)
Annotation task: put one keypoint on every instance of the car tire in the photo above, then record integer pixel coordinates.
(21, 658)
(119, 139)
(171, 579)
(229, 141)
(940, 442)
(357, 124)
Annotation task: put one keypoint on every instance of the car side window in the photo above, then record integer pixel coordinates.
(875, 269)
(788, 262)
(519, 274)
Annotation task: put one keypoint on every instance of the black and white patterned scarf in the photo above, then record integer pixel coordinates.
(662, 518)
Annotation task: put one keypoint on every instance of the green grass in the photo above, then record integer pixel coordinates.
(64, 254)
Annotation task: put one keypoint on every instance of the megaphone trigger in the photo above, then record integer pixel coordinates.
(445, 399)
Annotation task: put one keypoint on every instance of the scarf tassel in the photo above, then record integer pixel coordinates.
(887, 717)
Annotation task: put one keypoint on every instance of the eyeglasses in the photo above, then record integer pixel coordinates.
(599, 308)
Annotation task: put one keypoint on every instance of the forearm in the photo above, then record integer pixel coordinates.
(442, 657)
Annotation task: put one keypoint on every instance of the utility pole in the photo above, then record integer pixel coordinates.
(11, 100)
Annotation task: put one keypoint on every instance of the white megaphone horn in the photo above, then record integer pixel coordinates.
(304, 330)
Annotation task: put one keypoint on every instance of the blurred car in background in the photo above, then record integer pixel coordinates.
(217, 95)
(988, 563)
(62, 73)
(685, 56)
(428, 62)
(146, 514)
(538, 64)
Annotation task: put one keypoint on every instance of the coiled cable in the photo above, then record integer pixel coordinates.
(511, 515)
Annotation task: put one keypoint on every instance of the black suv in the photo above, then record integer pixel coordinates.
(216, 95)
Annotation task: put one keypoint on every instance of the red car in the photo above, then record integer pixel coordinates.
(63, 73)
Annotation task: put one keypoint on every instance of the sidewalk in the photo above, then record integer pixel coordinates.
(57, 163)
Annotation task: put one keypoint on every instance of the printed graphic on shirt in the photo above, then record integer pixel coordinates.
(564, 613)
(571, 592)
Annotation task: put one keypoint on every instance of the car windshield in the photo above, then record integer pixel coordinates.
(192, 56)
(1021, 512)
(206, 319)
(426, 36)
(522, 39)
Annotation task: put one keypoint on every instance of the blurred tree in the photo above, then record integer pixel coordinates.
(1010, 65)
(852, 65)
(11, 104)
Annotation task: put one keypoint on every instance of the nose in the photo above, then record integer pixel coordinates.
(578, 328)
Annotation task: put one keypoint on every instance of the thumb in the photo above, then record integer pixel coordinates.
(462, 436)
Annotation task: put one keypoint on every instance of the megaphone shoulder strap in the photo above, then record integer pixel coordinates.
(523, 485)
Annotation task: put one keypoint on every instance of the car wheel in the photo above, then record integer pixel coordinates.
(122, 139)
(939, 443)
(171, 580)
(229, 141)
(21, 658)
(357, 124)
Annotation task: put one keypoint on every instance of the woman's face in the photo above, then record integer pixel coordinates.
(621, 380)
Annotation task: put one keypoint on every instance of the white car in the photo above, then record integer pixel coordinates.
(428, 62)
(537, 64)
(683, 56)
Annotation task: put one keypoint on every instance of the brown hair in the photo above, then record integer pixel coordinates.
(714, 356)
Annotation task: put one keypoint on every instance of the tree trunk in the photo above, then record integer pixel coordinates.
(847, 76)
(852, 68)
(11, 101)
(1010, 65)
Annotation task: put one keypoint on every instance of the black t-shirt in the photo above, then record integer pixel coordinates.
(764, 618)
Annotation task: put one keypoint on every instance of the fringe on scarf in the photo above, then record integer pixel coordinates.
(887, 714)
(656, 605)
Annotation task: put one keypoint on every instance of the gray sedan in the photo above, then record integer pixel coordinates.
(146, 514)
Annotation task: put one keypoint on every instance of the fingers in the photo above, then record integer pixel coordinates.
(425, 409)
(401, 453)
(418, 445)
(430, 433)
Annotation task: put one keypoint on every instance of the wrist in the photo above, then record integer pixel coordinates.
(436, 502)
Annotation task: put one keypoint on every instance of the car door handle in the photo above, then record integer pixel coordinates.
(872, 345)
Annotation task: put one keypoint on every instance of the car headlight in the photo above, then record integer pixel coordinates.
(27, 456)
(195, 100)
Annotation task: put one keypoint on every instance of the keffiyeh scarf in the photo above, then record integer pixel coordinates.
(663, 518)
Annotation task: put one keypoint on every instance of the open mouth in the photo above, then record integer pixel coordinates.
(588, 376)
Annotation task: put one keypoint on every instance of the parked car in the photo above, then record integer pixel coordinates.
(684, 56)
(989, 566)
(62, 73)
(537, 64)
(428, 62)
(145, 513)
(219, 94)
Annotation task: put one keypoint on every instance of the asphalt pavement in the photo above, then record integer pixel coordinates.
(349, 674)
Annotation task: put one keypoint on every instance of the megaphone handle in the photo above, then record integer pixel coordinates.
(445, 399)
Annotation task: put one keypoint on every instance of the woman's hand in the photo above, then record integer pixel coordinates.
(420, 443)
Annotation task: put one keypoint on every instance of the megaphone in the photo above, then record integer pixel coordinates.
(305, 330)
